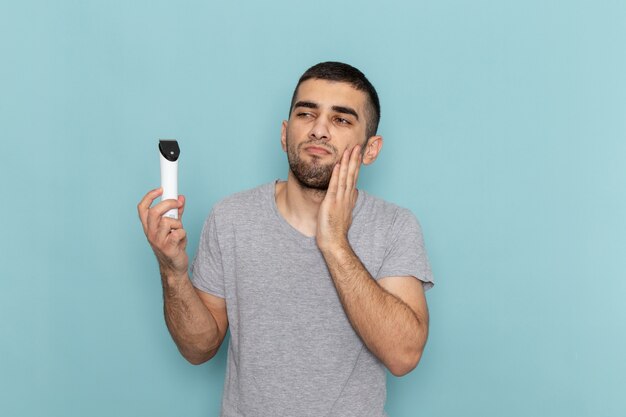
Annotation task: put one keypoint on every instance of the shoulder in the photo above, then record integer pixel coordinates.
(394, 233)
(375, 210)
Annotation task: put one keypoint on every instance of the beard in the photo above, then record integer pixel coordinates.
(315, 174)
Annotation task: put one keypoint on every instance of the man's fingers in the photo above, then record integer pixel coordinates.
(356, 176)
(176, 236)
(166, 226)
(343, 173)
(144, 205)
(147, 200)
(352, 169)
(334, 180)
(181, 209)
(358, 168)
(155, 214)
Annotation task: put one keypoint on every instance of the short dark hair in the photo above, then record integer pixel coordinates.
(340, 72)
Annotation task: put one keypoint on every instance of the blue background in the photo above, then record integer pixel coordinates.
(505, 134)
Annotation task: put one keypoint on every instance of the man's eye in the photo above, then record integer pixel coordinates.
(304, 114)
(342, 121)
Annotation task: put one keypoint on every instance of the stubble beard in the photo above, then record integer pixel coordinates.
(313, 175)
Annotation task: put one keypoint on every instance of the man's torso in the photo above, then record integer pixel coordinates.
(293, 351)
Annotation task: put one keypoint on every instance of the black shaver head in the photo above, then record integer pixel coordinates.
(169, 149)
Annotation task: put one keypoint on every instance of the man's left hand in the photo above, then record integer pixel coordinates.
(335, 214)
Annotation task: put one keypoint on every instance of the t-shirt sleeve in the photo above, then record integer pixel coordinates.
(406, 253)
(207, 272)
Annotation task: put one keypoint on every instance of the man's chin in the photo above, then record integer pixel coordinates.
(315, 186)
(313, 182)
(313, 175)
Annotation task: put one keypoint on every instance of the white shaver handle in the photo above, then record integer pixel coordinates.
(169, 182)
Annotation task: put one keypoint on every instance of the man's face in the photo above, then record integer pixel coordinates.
(327, 117)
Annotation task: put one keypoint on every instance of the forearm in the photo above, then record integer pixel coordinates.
(190, 323)
(390, 329)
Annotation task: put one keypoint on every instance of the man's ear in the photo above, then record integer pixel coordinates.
(372, 149)
(283, 135)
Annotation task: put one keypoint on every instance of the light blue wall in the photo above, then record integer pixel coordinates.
(505, 127)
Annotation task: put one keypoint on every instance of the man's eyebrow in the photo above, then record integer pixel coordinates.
(346, 110)
(338, 109)
(307, 104)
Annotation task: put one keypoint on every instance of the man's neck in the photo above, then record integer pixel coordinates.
(299, 205)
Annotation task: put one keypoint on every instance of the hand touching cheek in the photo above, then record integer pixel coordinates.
(335, 214)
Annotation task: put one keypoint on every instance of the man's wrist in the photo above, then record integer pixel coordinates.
(335, 247)
(170, 276)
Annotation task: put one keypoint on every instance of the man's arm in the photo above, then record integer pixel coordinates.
(196, 320)
(391, 317)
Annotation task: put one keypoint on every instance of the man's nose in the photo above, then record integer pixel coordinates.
(319, 130)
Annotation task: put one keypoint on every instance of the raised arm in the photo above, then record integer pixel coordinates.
(196, 320)
(391, 315)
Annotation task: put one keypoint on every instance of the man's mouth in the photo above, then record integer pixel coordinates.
(317, 150)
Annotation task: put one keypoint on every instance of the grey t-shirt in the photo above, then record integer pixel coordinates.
(292, 350)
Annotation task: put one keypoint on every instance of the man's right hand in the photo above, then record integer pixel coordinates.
(166, 236)
(196, 320)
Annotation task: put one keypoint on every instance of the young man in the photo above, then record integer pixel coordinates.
(322, 285)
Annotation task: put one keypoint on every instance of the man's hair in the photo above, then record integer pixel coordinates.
(340, 72)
